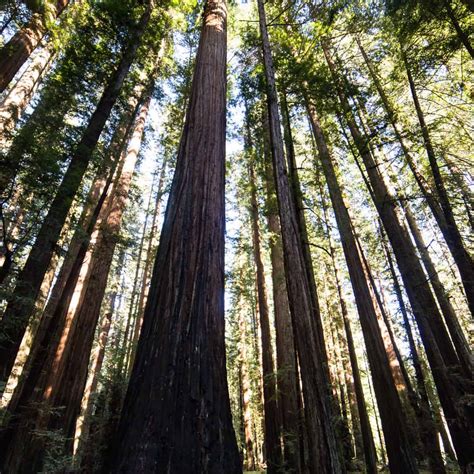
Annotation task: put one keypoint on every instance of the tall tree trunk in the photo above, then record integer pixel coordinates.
(18, 49)
(424, 186)
(272, 435)
(440, 351)
(287, 379)
(60, 388)
(394, 422)
(323, 450)
(361, 431)
(18, 98)
(17, 314)
(177, 408)
(451, 233)
(428, 432)
(455, 330)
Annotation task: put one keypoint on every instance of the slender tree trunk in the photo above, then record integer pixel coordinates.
(18, 98)
(18, 49)
(440, 351)
(298, 200)
(455, 330)
(394, 423)
(462, 35)
(428, 432)
(149, 257)
(445, 225)
(126, 345)
(287, 380)
(60, 389)
(324, 455)
(17, 314)
(82, 441)
(452, 235)
(246, 394)
(272, 436)
(177, 406)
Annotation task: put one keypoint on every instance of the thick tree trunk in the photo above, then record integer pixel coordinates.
(394, 422)
(176, 415)
(60, 388)
(15, 53)
(17, 314)
(287, 381)
(440, 351)
(272, 435)
(451, 232)
(18, 98)
(323, 450)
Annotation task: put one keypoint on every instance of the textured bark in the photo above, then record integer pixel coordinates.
(440, 351)
(176, 415)
(60, 387)
(428, 432)
(62, 292)
(287, 381)
(19, 309)
(299, 204)
(18, 98)
(18, 49)
(323, 450)
(450, 231)
(394, 422)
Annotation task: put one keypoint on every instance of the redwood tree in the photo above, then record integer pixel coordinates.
(176, 415)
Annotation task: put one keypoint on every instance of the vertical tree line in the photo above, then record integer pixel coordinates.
(236, 236)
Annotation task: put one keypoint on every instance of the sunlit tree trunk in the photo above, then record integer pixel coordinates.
(82, 442)
(447, 226)
(455, 330)
(15, 103)
(18, 312)
(428, 431)
(60, 387)
(287, 378)
(18, 49)
(272, 436)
